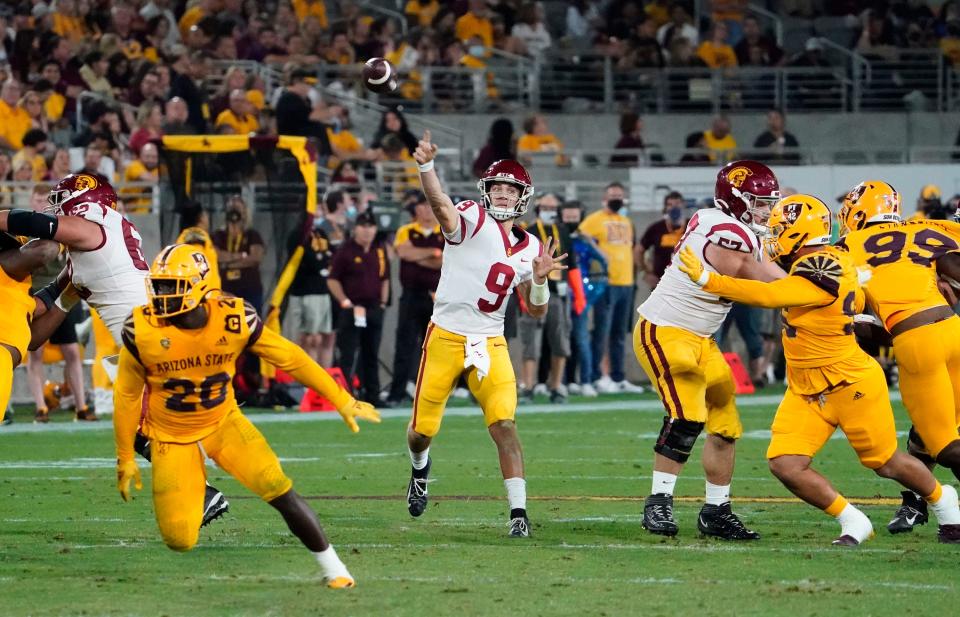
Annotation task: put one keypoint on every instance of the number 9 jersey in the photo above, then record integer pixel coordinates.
(482, 264)
(900, 259)
(189, 373)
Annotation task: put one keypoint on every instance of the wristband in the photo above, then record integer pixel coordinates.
(346, 303)
(426, 166)
(539, 294)
(704, 278)
(48, 294)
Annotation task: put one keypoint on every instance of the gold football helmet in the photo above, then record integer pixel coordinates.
(797, 221)
(871, 201)
(178, 280)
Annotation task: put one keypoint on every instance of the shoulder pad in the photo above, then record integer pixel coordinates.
(729, 233)
(822, 269)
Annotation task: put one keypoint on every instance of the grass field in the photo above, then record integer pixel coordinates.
(69, 546)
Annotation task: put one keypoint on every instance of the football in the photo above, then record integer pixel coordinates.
(379, 76)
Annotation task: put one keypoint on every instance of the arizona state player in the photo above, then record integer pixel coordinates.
(183, 346)
(17, 262)
(832, 382)
(898, 259)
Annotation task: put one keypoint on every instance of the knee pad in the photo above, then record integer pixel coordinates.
(917, 449)
(677, 438)
(179, 537)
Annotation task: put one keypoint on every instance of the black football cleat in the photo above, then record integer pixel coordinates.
(658, 515)
(721, 522)
(948, 534)
(912, 512)
(519, 524)
(417, 490)
(215, 505)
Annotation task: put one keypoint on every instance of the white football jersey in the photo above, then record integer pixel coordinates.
(111, 277)
(679, 302)
(482, 264)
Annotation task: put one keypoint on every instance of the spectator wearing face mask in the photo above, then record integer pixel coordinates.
(239, 251)
(660, 238)
(554, 328)
(612, 317)
(590, 263)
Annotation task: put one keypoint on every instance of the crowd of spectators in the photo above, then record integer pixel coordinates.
(81, 75)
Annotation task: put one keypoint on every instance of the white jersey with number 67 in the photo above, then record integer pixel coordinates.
(482, 265)
(110, 277)
(679, 302)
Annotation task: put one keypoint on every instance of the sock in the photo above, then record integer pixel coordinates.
(835, 508)
(717, 494)
(663, 482)
(419, 459)
(330, 564)
(935, 495)
(947, 507)
(854, 523)
(516, 493)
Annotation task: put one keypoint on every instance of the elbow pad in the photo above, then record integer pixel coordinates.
(22, 222)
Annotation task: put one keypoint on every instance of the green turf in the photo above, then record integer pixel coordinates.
(68, 546)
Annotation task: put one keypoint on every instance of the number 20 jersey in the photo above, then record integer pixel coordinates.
(900, 258)
(189, 373)
(679, 302)
(482, 265)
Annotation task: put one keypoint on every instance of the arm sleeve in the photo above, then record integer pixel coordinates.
(786, 292)
(127, 397)
(283, 354)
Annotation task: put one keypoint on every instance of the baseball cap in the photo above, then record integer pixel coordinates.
(930, 192)
(303, 74)
(366, 218)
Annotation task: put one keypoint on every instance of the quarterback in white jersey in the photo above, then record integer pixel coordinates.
(485, 259)
(672, 341)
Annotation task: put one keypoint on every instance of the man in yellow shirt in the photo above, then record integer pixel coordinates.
(720, 144)
(614, 235)
(475, 23)
(144, 168)
(239, 118)
(14, 120)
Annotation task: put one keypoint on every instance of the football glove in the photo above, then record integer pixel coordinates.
(359, 409)
(691, 265)
(127, 471)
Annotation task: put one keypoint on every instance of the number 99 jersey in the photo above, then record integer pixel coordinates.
(482, 264)
(679, 302)
(189, 373)
(900, 258)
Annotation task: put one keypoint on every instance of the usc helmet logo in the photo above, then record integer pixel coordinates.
(84, 182)
(737, 175)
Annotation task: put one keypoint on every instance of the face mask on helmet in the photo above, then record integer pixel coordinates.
(795, 222)
(505, 200)
(177, 282)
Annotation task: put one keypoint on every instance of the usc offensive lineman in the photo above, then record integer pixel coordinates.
(485, 259)
(183, 347)
(831, 381)
(672, 341)
(105, 265)
(898, 262)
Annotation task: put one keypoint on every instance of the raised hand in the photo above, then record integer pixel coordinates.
(691, 265)
(359, 409)
(547, 262)
(426, 150)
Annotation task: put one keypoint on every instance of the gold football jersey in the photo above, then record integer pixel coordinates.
(900, 259)
(189, 373)
(18, 306)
